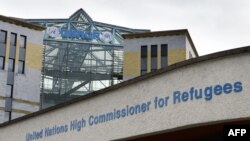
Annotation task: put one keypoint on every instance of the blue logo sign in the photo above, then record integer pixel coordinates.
(76, 34)
(54, 32)
(106, 37)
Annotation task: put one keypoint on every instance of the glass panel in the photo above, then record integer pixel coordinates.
(164, 61)
(8, 104)
(3, 35)
(12, 52)
(164, 50)
(11, 65)
(22, 52)
(13, 39)
(9, 89)
(13, 46)
(10, 78)
(2, 63)
(153, 57)
(21, 67)
(144, 54)
(76, 67)
(154, 64)
(164, 55)
(2, 49)
(23, 41)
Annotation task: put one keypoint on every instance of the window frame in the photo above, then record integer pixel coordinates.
(25, 41)
(164, 55)
(6, 34)
(13, 65)
(3, 63)
(15, 41)
(143, 57)
(11, 90)
(154, 59)
(23, 67)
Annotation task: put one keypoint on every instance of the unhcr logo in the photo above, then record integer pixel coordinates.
(106, 37)
(55, 32)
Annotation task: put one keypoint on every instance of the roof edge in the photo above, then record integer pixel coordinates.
(154, 33)
(83, 12)
(192, 43)
(21, 23)
(162, 33)
(208, 57)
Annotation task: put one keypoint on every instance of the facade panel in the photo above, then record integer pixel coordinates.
(165, 48)
(193, 93)
(20, 85)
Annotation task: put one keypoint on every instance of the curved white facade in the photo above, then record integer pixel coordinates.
(168, 100)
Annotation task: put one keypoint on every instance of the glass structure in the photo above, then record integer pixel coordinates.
(80, 56)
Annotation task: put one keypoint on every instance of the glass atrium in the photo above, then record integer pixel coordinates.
(80, 56)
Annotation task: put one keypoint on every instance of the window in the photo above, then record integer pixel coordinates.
(13, 45)
(11, 65)
(23, 41)
(8, 104)
(3, 36)
(22, 52)
(153, 58)
(164, 55)
(13, 39)
(21, 67)
(9, 90)
(144, 55)
(2, 62)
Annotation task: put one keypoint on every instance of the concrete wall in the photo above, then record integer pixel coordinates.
(189, 50)
(225, 86)
(132, 49)
(26, 94)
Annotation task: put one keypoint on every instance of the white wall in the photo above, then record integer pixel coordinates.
(34, 36)
(173, 41)
(26, 86)
(189, 49)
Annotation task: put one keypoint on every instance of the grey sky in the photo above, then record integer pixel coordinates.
(214, 25)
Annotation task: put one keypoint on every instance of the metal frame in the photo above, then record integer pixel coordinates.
(77, 67)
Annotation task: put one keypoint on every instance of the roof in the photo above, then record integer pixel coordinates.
(19, 22)
(90, 20)
(163, 33)
(81, 11)
(133, 81)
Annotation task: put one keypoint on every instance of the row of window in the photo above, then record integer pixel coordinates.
(12, 52)
(154, 54)
(11, 63)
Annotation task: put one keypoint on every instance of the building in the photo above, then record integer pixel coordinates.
(20, 67)
(81, 56)
(149, 51)
(189, 100)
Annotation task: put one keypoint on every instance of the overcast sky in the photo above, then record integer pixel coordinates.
(214, 25)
